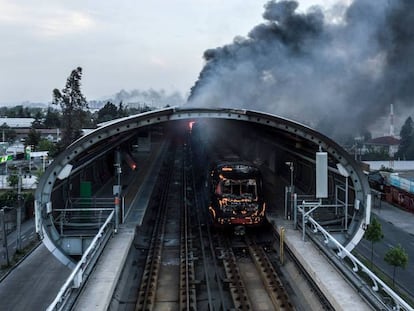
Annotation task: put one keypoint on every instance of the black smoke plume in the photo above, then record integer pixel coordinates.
(337, 70)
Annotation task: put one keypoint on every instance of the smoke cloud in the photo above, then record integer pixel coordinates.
(337, 70)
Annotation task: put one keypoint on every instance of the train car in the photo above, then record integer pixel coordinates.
(396, 189)
(399, 197)
(236, 195)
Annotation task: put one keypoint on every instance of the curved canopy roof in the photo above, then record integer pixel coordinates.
(115, 131)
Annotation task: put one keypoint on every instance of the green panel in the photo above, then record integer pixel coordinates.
(85, 193)
(85, 189)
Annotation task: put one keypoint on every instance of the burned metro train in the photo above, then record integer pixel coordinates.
(236, 194)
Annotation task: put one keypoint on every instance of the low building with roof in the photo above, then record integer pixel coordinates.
(22, 127)
(397, 166)
(385, 144)
(17, 123)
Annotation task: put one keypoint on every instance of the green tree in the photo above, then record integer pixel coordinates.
(52, 119)
(8, 198)
(89, 122)
(13, 180)
(73, 104)
(373, 233)
(33, 138)
(396, 257)
(20, 112)
(107, 112)
(46, 145)
(406, 143)
(8, 133)
(122, 111)
(37, 123)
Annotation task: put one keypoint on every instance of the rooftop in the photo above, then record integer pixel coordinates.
(17, 122)
(384, 140)
(395, 165)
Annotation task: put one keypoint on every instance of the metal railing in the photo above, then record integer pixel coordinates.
(65, 298)
(399, 303)
(89, 202)
(83, 213)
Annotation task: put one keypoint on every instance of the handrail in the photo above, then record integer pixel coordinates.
(400, 304)
(92, 201)
(90, 209)
(76, 277)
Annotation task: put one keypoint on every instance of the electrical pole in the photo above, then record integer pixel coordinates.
(19, 211)
(117, 188)
(3, 223)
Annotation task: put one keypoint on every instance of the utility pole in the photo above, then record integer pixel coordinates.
(117, 188)
(3, 224)
(28, 157)
(19, 211)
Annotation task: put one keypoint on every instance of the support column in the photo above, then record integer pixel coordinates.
(117, 187)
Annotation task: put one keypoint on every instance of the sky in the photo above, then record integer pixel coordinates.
(125, 44)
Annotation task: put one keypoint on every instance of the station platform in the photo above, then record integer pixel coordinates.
(100, 286)
(340, 294)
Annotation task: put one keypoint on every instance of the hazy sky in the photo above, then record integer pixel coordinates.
(124, 44)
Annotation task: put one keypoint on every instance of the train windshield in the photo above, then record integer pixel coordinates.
(245, 188)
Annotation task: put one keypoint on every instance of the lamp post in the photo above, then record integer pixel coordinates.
(291, 188)
(117, 187)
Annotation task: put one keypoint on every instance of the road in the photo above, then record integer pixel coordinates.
(34, 283)
(393, 235)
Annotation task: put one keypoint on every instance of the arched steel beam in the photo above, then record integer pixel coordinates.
(44, 222)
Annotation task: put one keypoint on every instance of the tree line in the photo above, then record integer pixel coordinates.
(70, 113)
(406, 148)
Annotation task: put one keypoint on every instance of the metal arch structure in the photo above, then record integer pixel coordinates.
(61, 166)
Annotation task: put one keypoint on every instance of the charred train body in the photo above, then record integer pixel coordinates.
(236, 196)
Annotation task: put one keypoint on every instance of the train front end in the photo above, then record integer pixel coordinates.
(236, 195)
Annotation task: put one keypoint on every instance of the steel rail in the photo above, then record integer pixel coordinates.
(188, 299)
(199, 210)
(308, 278)
(272, 282)
(148, 287)
(237, 287)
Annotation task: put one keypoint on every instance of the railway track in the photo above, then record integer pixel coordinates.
(192, 266)
(272, 283)
(252, 280)
(168, 281)
(158, 289)
(237, 270)
(187, 272)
